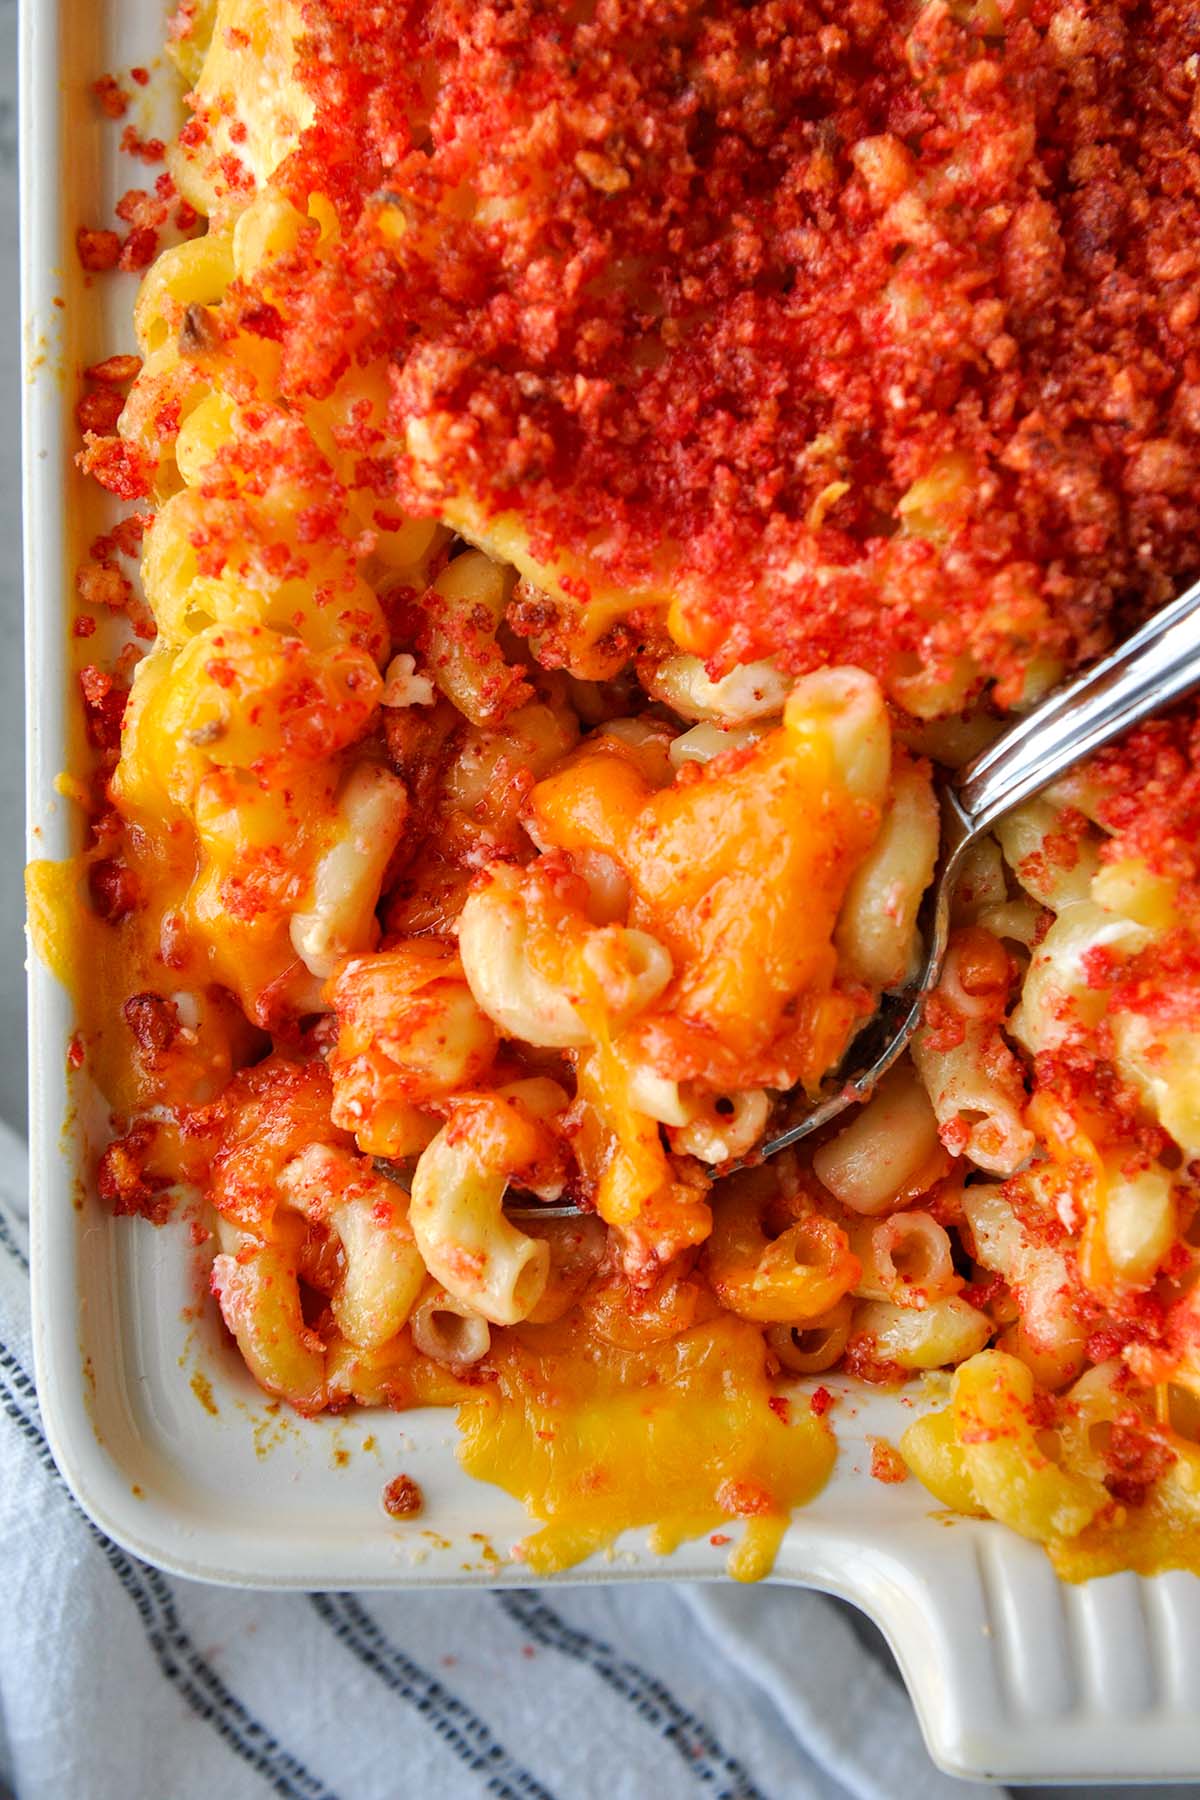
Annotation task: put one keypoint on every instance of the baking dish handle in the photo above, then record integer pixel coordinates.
(1018, 1676)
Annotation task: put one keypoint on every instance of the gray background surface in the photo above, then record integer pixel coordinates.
(12, 704)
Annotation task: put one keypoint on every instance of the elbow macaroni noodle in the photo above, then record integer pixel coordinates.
(466, 1241)
(436, 893)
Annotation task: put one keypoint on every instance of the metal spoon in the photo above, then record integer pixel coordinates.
(1158, 664)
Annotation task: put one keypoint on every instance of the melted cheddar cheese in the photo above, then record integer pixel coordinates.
(740, 871)
(687, 1437)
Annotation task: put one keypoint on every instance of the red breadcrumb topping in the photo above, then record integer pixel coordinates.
(127, 534)
(402, 1498)
(97, 250)
(862, 1359)
(124, 539)
(741, 1498)
(147, 150)
(1163, 982)
(102, 584)
(114, 101)
(743, 274)
(944, 1025)
(1113, 1338)
(124, 469)
(1146, 791)
(1149, 786)
(114, 890)
(140, 249)
(887, 1464)
(1059, 851)
(114, 371)
(153, 1020)
(985, 1292)
(193, 134)
(820, 1401)
(182, 23)
(137, 207)
(99, 411)
(145, 214)
(1137, 1454)
(1084, 1080)
(124, 1181)
(104, 705)
(141, 76)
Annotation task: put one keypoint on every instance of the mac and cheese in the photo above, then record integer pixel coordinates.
(590, 464)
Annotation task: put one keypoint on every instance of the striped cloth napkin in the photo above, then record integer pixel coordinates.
(120, 1683)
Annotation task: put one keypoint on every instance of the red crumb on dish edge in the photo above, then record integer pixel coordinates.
(402, 1498)
(887, 1464)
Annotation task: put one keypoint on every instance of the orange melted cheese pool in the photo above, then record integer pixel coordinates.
(685, 1437)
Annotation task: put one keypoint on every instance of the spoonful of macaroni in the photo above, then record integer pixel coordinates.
(1160, 663)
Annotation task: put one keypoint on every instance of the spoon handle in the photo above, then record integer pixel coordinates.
(1158, 664)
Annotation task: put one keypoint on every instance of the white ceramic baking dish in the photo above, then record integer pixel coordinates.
(156, 1426)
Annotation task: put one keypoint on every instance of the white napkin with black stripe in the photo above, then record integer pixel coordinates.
(120, 1683)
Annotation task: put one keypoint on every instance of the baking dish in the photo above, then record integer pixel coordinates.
(156, 1426)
